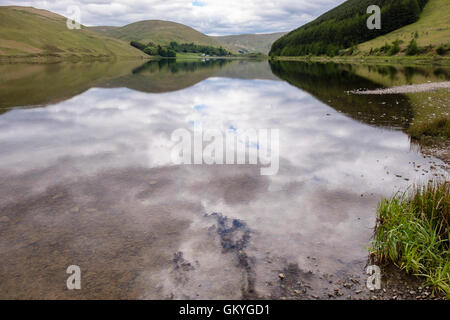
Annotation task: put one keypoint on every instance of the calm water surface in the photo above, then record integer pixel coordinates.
(86, 177)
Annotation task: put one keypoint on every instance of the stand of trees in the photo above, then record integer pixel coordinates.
(194, 48)
(154, 50)
(171, 50)
(345, 26)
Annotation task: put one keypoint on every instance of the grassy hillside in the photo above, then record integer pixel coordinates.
(250, 43)
(433, 28)
(159, 32)
(103, 29)
(345, 26)
(29, 32)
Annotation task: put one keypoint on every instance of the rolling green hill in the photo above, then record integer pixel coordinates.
(432, 28)
(163, 32)
(27, 32)
(102, 29)
(159, 32)
(345, 26)
(249, 43)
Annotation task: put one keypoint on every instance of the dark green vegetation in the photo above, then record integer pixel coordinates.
(28, 33)
(443, 49)
(154, 50)
(193, 48)
(413, 232)
(412, 48)
(345, 26)
(171, 50)
(392, 49)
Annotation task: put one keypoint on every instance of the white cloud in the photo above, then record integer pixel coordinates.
(209, 16)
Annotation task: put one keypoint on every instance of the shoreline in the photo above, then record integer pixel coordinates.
(362, 60)
(373, 60)
(412, 88)
(70, 59)
(50, 59)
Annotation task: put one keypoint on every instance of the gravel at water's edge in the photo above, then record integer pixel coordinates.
(413, 88)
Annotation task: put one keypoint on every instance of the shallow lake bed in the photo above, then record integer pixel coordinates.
(87, 179)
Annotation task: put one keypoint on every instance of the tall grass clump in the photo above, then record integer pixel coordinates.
(443, 49)
(437, 128)
(413, 232)
(412, 48)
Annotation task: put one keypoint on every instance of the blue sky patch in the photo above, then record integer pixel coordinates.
(197, 3)
(200, 107)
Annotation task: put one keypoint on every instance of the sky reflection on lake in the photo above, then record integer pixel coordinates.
(106, 152)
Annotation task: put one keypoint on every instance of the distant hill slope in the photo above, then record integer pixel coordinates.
(345, 26)
(30, 32)
(159, 32)
(250, 42)
(433, 28)
(103, 29)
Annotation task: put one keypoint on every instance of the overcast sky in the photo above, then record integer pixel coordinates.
(213, 17)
